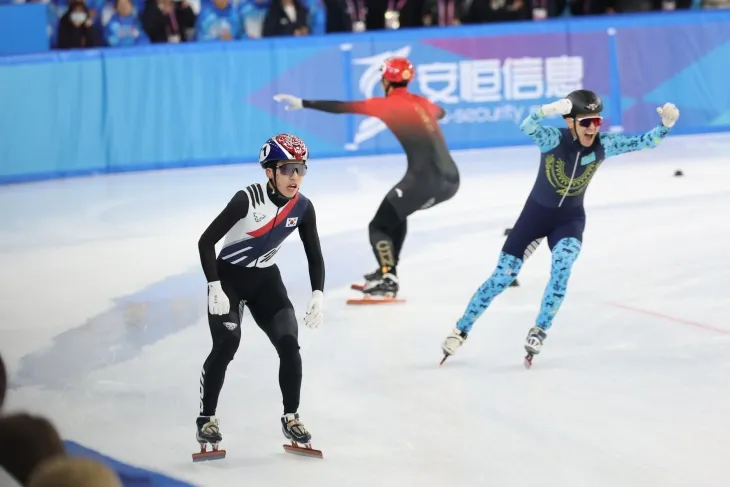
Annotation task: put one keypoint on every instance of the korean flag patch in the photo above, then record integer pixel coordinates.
(292, 222)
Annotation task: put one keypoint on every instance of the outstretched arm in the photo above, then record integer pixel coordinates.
(616, 144)
(363, 107)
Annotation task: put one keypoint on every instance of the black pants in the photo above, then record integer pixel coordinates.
(263, 292)
(388, 227)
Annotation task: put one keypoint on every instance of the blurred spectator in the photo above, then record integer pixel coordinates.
(252, 14)
(715, 3)
(218, 21)
(598, 7)
(3, 382)
(443, 12)
(27, 441)
(168, 21)
(482, 11)
(73, 472)
(345, 15)
(124, 28)
(76, 29)
(286, 18)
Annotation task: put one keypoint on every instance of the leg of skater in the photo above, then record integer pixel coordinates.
(529, 229)
(565, 243)
(274, 314)
(225, 331)
(387, 232)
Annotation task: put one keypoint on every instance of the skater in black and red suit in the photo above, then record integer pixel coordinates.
(431, 176)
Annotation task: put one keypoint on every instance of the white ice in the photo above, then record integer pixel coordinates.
(103, 326)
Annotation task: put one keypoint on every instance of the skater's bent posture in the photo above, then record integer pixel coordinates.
(254, 224)
(431, 175)
(554, 209)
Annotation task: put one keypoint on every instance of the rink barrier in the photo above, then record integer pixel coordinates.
(169, 106)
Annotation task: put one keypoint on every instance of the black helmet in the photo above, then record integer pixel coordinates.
(584, 102)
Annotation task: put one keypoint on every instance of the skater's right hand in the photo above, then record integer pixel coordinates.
(293, 103)
(218, 303)
(560, 107)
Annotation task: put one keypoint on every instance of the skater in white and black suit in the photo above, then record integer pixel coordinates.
(254, 224)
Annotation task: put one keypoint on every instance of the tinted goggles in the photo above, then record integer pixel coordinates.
(289, 168)
(586, 122)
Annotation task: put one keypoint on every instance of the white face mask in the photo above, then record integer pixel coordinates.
(78, 18)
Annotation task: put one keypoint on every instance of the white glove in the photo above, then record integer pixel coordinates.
(560, 107)
(314, 316)
(293, 103)
(218, 303)
(669, 114)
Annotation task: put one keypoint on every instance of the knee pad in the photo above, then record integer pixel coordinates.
(288, 346)
(566, 252)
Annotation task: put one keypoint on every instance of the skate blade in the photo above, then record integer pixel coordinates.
(376, 300)
(528, 360)
(446, 355)
(305, 451)
(205, 456)
(357, 287)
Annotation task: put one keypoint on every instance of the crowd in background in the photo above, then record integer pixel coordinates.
(94, 23)
(32, 454)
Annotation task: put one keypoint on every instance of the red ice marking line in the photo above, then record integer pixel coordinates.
(671, 318)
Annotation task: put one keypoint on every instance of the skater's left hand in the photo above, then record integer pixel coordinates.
(314, 316)
(669, 114)
(292, 102)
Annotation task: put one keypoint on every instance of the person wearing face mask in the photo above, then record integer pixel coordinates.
(124, 28)
(253, 226)
(75, 29)
(569, 158)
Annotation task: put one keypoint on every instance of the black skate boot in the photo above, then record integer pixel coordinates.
(208, 432)
(386, 287)
(293, 429)
(376, 276)
(297, 434)
(533, 344)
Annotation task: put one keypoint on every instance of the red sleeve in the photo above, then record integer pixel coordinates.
(362, 107)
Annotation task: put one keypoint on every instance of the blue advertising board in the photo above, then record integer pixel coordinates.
(166, 106)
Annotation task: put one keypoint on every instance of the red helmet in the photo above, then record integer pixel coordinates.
(398, 70)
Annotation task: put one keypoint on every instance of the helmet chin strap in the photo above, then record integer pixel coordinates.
(275, 189)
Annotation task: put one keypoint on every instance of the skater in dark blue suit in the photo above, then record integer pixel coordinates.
(554, 209)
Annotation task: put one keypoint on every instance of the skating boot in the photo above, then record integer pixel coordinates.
(452, 343)
(533, 344)
(386, 287)
(208, 432)
(295, 432)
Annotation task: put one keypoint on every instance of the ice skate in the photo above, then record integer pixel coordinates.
(452, 343)
(533, 344)
(208, 432)
(379, 291)
(370, 280)
(298, 435)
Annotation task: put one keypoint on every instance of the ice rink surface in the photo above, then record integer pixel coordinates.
(103, 328)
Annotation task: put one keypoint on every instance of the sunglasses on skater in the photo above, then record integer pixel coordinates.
(587, 121)
(289, 168)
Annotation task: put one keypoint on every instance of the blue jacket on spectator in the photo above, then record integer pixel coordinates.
(213, 21)
(124, 31)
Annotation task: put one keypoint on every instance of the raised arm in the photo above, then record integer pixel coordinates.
(546, 138)
(617, 144)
